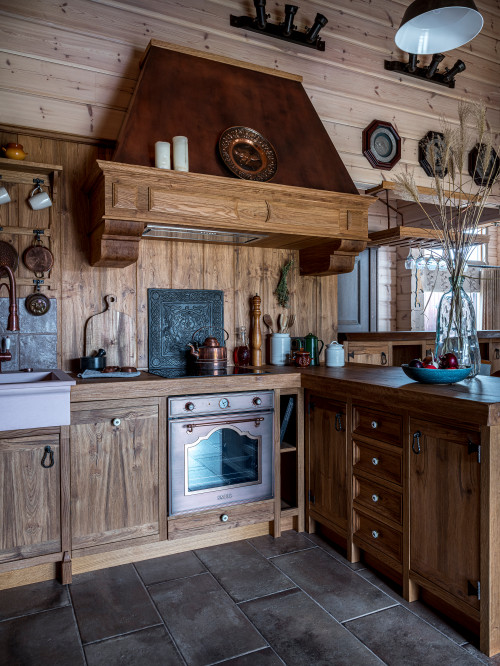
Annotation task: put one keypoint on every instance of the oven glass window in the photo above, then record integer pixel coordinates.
(225, 458)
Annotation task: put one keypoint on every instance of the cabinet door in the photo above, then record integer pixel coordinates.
(328, 461)
(444, 508)
(30, 497)
(114, 471)
(370, 352)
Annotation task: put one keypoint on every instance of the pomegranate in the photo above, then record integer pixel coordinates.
(415, 363)
(448, 361)
(429, 366)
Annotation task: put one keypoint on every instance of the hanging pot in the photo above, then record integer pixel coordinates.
(37, 304)
(8, 256)
(38, 258)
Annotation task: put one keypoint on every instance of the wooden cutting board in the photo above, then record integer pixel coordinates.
(113, 331)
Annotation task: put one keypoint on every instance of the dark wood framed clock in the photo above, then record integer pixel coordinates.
(381, 145)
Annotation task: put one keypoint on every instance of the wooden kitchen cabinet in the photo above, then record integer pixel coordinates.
(115, 470)
(30, 496)
(327, 473)
(445, 484)
(372, 353)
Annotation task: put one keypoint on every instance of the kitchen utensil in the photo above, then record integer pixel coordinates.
(334, 355)
(37, 304)
(38, 258)
(111, 368)
(210, 351)
(291, 321)
(112, 331)
(14, 151)
(128, 368)
(283, 321)
(8, 256)
(97, 362)
(311, 343)
(301, 358)
(268, 321)
(39, 199)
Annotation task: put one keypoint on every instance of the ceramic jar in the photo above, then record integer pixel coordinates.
(280, 348)
(334, 355)
(14, 151)
(302, 358)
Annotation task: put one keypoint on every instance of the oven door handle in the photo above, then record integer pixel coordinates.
(257, 420)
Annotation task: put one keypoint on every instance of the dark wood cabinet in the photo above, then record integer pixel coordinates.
(327, 462)
(114, 471)
(445, 509)
(30, 496)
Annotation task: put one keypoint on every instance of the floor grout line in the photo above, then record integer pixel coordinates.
(124, 633)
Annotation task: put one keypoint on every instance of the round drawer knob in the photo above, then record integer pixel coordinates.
(375, 498)
(375, 534)
(224, 518)
(189, 406)
(374, 424)
(116, 422)
(375, 461)
(257, 401)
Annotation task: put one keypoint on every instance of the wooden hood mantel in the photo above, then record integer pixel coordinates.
(329, 229)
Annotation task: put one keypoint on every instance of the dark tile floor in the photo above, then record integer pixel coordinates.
(261, 602)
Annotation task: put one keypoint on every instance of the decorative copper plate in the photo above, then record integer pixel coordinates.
(8, 256)
(38, 259)
(248, 154)
(37, 304)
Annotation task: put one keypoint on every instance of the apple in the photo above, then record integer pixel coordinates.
(415, 363)
(429, 366)
(448, 361)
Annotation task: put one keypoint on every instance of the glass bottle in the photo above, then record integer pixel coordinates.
(242, 350)
(456, 327)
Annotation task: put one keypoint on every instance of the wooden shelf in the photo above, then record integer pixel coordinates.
(285, 447)
(20, 171)
(427, 194)
(288, 510)
(405, 236)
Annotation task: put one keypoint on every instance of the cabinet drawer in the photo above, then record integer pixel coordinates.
(371, 534)
(377, 461)
(373, 353)
(386, 503)
(377, 425)
(212, 521)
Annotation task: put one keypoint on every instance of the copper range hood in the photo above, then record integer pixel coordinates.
(311, 204)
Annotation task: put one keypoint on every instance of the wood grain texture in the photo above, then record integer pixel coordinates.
(116, 464)
(113, 331)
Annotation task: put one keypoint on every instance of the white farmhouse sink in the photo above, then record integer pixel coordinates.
(34, 399)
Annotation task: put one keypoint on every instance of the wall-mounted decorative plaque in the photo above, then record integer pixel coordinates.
(431, 152)
(484, 164)
(248, 154)
(381, 145)
(174, 315)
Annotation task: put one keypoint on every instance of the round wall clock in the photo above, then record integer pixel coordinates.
(248, 154)
(484, 164)
(431, 153)
(381, 145)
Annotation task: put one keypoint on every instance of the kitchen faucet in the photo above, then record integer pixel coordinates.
(13, 319)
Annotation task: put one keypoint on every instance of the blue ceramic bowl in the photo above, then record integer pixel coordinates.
(426, 376)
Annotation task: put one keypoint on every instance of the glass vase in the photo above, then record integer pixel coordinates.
(456, 327)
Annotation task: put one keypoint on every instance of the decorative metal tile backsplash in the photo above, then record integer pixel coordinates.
(174, 315)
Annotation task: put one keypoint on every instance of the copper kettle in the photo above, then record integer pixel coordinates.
(210, 351)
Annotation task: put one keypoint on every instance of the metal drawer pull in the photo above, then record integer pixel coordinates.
(375, 461)
(383, 358)
(191, 426)
(374, 424)
(116, 422)
(338, 422)
(224, 518)
(375, 534)
(48, 452)
(374, 498)
(415, 445)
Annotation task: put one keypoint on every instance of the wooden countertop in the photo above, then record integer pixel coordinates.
(476, 401)
(389, 336)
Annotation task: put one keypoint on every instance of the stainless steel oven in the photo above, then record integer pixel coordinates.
(220, 450)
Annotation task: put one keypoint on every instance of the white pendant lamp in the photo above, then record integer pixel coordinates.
(434, 26)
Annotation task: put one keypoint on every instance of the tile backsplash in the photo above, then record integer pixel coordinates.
(35, 345)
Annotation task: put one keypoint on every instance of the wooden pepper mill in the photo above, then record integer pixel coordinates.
(256, 339)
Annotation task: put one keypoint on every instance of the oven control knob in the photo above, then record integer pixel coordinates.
(257, 401)
(223, 403)
(189, 406)
(224, 517)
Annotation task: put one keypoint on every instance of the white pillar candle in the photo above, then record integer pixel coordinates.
(162, 155)
(181, 161)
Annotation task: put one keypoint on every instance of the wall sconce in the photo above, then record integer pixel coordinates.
(286, 30)
(430, 72)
